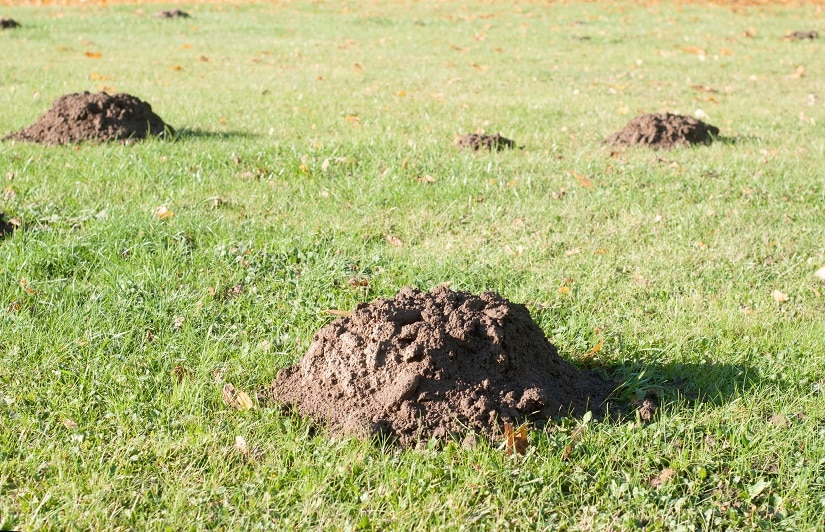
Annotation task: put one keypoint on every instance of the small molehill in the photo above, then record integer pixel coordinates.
(436, 365)
(479, 141)
(97, 117)
(172, 13)
(802, 35)
(663, 131)
(8, 23)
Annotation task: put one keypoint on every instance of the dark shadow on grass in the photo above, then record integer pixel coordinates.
(737, 139)
(183, 134)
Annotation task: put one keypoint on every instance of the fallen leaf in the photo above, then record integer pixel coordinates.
(401, 94)
(820, 273)
(69, 424)
(177, 322)
(394, 241)
(560, 194)
(515, 440)
(93, 55)
(583, 181)
(780, 297)
(564, 289)
(693, 50)
(176, 67)
(236, 398)
(358, 281)
(798, 72)
(354, 120)
(596, 348)
(571, 252)
(576, 435)
(337, 313)
(180, 373)
(425, 179)
(240, 445)
(663, 476)
(204, 58)
(163, 213)
(24, 284)
(234, 291)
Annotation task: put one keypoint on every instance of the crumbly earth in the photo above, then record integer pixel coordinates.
(663, 131)
(8, 23)
(172, 13)
(477, 141)
(94, 117)
(436, 365)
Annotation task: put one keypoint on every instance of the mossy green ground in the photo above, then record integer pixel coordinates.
(306, 131)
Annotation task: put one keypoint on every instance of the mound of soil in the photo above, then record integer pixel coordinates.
(172, 13)
(8, 23)
(94, 117)
(476, 141)
(663, 131)
(435, 365)
(802, 35)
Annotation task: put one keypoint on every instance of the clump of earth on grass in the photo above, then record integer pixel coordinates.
(98, 117)
(802, 35)
(439, 364)
(8, 23)
(663, 131)
(172, 13)
(478, 141)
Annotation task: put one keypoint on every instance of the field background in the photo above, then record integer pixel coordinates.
(315, 168)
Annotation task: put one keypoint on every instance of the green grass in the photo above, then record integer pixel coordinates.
(670, 258)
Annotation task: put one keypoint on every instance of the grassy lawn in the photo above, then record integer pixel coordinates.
(306, 132)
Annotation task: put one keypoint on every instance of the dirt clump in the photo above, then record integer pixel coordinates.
(172, 13)
(663, 131)
(438, 364)
(478, 141)
(802, 36)
(97, 117)
(8, 23)
(7, 225)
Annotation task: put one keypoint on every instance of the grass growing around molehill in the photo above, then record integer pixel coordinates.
(314, 168)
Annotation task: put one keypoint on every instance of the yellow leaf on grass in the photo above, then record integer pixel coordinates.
(583, 181)
(596, 348)
(394, 241)
(236, 398)
(780, 297)
(93, 55)
(163, 213)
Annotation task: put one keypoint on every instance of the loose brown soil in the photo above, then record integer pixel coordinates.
(476, 141)
(8, 23)
(7, 227)
(94, 117)
(435, 365)
(663, 131)
(172, 13)
(802, 35)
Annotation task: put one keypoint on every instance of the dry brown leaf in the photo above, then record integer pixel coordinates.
(596, 348)
(693, 50)
(583, 181)
(163, 213)
(394, 241)
(798, 72)
(177, 322)
(663, 476)
(515, 440)
(93, 55)
(236, 398)
(779, 296)
(179, 373)
(425, 179)
(69, 424)
(560, 194)
(572, 251)
(24, 284)
(337, 313)
(358, 281)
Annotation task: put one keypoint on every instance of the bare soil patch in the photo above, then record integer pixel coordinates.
(436, 365)
(172, 13)
(478, 141)
(97, 117)
(663, 131)
(8, 23)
